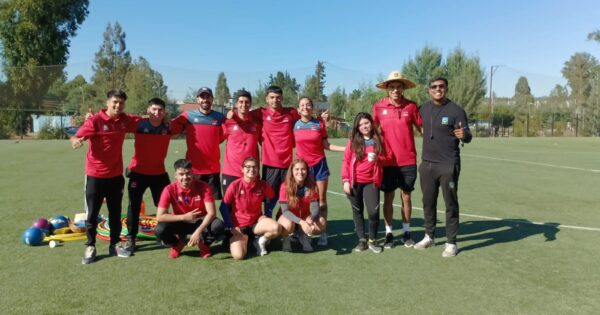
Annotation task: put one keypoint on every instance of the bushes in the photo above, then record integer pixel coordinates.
(48, 132)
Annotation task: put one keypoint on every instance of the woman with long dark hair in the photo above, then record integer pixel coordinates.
(362, 174)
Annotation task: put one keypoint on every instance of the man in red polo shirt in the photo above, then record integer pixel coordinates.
(203, 134)
(396, 117)
(105, 133)
(242, 134)
(193, 213)
(147, 167)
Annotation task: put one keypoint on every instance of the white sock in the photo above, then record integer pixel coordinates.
(388, 229)
(405, 227)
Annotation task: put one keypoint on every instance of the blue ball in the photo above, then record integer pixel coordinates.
(59, 222)
(33, 236)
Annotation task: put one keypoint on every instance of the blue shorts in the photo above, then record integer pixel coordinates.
(319, 171)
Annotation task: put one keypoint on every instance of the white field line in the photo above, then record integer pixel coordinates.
(533, 163)
(563, 226)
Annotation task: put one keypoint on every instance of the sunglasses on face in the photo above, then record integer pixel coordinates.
(435, 86)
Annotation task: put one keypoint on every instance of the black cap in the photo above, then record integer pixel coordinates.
(204, 90)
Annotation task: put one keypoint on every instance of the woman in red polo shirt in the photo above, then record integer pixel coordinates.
(241, 211)
(299, 201)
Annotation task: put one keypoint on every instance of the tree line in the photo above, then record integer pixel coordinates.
(35, 38)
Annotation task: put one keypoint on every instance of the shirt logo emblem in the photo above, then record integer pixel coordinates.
(196, 120)
(384, 112)
(105, 128)
(241, 192)
(444, 120)
(405, 114)
(286, 120)
(268, 117)
(214, 122)
(235, 127)
(146, 130)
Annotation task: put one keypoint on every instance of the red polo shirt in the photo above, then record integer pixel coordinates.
(242, 142)
(105, 136)
(151, 147)
(246, 200)
(397, 123)
(186, 200)
(309, 138)
(302, 210)
(277, 135)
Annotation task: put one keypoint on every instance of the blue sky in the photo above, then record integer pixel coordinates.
(190, 42)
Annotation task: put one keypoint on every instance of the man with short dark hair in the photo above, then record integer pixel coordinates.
(203, 134)
(396, 117)
(105, 133)
(242, 133)
(445, 126)
(194, 213)
(147, 167)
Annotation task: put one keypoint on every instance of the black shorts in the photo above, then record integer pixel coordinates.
(227, 180)
(402, 177)
(214, 181)
(274, 176)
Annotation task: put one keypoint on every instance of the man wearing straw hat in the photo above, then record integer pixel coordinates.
(396, 117)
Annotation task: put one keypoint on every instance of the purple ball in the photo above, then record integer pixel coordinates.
(42, 224)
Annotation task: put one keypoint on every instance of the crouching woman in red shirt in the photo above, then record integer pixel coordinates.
(299, 201)
(362, 175)
(241, 211)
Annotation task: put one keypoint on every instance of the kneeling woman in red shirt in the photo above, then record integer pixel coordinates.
(299, 200)
(241, 211)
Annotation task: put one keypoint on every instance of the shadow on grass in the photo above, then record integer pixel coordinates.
(491, 232)
(343, 239)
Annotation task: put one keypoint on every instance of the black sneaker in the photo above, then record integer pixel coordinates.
(374, 247)
(407, 240)
(362, 245)
(112, 250)
(89, 255)
(389, 241)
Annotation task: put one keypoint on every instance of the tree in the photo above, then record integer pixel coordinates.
(337, 102)
(467, 81)
(35, 42)
(222, 95)
(427, 64)
(523, 100)
(595, 35)
(579, 71)
(111, 64)
(286, 82)
(143, 83)
(314, 86)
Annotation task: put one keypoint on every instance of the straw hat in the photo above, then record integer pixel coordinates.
(396, 76)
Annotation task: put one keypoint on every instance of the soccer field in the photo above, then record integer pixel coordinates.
(529, 239)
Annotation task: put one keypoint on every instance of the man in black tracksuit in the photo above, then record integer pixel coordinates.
(445, 126)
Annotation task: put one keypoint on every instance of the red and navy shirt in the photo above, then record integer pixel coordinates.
(185, 200)
(305, 196)
(242, 142)
(246, 200)
(397, 123)
(203, 134)
(151, 147)
(309, 138)
(105, 136)
(277, 135)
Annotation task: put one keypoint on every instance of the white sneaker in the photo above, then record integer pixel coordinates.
(305, 241)
(450, 250)
(426, 242)
(261, 246)
(286, 244)
(322, 239)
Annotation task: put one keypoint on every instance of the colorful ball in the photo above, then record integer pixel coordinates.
(42, 224)
(59, 222)
(33, 236)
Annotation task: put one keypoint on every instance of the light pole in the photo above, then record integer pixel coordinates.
(492, 70)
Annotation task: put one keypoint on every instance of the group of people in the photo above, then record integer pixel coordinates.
(380, 155)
